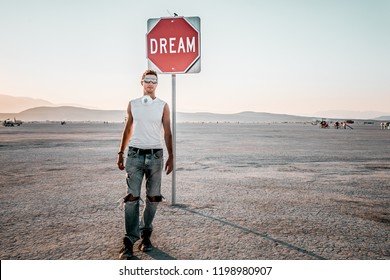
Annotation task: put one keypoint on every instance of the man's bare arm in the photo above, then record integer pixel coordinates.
(168, 139)
(127, 131)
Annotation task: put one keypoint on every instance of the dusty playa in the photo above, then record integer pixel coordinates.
(244, 191)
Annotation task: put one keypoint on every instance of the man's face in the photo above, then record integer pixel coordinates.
(149, 83)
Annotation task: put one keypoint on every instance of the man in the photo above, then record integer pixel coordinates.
(146, 116)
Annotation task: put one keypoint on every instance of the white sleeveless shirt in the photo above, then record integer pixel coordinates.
(147, 123)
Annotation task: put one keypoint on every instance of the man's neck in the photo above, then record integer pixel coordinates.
(152, 95)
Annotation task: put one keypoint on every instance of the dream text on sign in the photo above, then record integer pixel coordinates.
(170, 45)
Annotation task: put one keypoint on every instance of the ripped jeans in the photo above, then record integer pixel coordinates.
(138, 167)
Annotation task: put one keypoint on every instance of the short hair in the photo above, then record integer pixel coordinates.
(149, 72)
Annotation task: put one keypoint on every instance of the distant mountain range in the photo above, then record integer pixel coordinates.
(344, 114)
(13, 104)
(66, 113)
(244, 117)
(48, 112)
(69, 113)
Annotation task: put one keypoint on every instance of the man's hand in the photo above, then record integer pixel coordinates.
(169, 165)
(120, 163)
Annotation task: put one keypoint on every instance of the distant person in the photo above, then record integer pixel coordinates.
(147, 116)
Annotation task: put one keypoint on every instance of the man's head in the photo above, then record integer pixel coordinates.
(149, 74)
(149, 81)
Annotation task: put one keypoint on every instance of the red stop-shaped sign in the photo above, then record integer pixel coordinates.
(173, 45)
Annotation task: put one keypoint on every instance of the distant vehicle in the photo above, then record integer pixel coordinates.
(345, 124)
(385, 125)
(9, 122)
(324, 124)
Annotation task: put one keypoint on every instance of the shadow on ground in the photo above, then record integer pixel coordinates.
(247, 230)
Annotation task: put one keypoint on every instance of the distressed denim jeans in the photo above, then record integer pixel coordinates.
(138, 167)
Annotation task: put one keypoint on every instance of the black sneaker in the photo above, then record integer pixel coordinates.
(146, 244)
(127, 249)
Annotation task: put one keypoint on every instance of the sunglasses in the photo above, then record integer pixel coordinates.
(150, 80)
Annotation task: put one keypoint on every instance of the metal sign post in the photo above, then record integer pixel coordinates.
(174, 138)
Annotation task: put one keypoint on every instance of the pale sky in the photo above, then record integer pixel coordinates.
(276, 56)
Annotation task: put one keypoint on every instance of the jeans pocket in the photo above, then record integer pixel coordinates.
(158, 155)
(131, 154)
